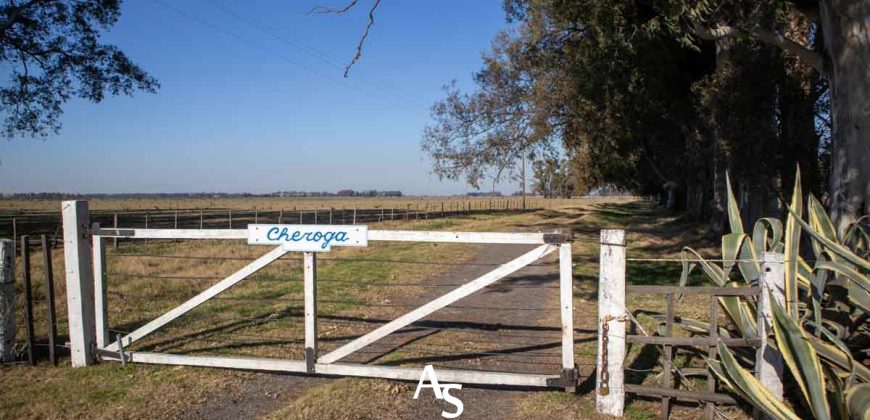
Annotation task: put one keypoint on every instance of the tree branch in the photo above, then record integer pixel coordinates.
(362, 39)
(13, 17)
(321, 9)
(806, 55)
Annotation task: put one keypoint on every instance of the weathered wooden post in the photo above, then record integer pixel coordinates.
(101, 311)
(49, 296)
(14, 236)
(115, 226)
(280, 217)
(146, 226)
(200, 220)
(309, 288)
(354, 215)
(566, 298)
(768, 361)
(230, 217)
(7, 299)
(28, 297)
(79, 281)
(610, 393)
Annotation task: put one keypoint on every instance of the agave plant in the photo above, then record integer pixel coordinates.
(824, 322)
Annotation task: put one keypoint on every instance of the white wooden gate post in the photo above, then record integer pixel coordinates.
(609, 384)
(79, 281)
(310, 295)
(7, 300)
(566, 294)
(101, 311)
(768, 361)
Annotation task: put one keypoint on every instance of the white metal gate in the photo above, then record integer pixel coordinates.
(84, 249)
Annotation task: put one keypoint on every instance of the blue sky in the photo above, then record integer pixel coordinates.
(253, 99)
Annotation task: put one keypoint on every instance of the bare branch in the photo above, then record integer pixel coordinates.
(362, 40)
(806, 55)
(322, 9)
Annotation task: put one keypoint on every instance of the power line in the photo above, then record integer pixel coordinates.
(319, 55)
(269, 51)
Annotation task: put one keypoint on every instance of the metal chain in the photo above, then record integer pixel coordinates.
(604, 384)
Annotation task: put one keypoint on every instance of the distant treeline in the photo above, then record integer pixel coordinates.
(67, 196)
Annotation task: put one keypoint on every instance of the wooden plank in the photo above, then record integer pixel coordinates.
(768, 361)
(667, 355)
(566, 298)
(28, 301)
(79, 281)
(174, 233)
(691, 290)
(201, 298)
(447, 299)
(7, 300)
(611, 308)
(711, 354)
(444, 375)
(680, 394)
(310, 297)
(338, 369)
(457, 237)
(230, 362)
(49, 296)
(101, 311)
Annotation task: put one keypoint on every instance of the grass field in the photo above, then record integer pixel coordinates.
(290, 203)
(261, 317)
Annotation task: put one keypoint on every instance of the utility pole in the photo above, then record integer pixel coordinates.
(523, 172)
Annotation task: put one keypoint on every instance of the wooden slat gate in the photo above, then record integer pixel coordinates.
(614, 333)
(84, 247)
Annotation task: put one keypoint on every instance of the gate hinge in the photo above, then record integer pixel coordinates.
(558, 238)
(568, 377)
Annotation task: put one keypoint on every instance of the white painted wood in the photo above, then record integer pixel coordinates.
(310, 296)
(528, 238)
(451, 297)
(458, 237)
(339, 369)
(444, 375)
(566, 301)
(175, 233)
(231, 362)
(7, 300)
(201, 298)
(768, 361)
(101, 310)
(611, 305)
(79, 281)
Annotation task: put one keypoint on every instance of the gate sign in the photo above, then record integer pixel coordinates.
(308, 238)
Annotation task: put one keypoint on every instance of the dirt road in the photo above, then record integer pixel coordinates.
(510, 326)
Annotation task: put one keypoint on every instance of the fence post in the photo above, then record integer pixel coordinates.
(14, 236)
(79, 281)
(354, 215)
(7, 299)
(115, 226)
(310, 295)
(28, 297)
(610, 394)
(49, 295)
(566, 297)
(101, 311)
(200, 220)
(768, 361)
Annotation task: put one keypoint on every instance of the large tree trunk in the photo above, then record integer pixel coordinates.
(846, 32)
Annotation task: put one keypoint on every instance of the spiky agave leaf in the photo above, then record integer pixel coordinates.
(792, 244)
(733, 211)
(741, 381)
(801, 358)
(858, 401)
(767, 235)
(835, 247)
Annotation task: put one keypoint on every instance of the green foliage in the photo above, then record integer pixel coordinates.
(823, 330)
